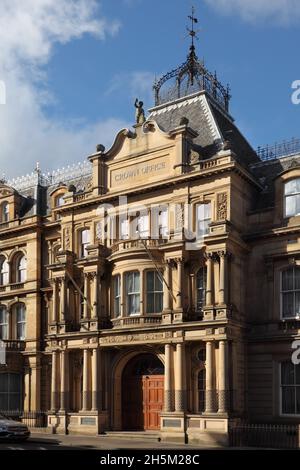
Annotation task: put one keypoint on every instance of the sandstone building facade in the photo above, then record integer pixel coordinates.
(156, 286)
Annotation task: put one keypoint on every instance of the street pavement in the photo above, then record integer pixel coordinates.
(71, 442)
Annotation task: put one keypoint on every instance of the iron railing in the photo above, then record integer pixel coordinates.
(278, 150)
(33, 419)
(271, 436)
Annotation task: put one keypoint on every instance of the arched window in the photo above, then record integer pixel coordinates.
(20, 321)
(21, 268)
(4, 271)
(290, 292)
(4, 322)
(4, 212)
(201, 390)
(292, 198)
(200, 289)
(84, 242)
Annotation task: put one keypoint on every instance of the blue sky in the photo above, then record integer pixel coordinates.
(79, 88)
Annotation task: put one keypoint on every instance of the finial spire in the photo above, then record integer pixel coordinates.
(191, 30)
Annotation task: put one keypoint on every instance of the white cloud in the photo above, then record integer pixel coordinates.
(29, 30)
(139, 84)
(282, 12)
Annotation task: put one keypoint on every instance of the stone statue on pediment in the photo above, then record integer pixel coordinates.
(140, 113)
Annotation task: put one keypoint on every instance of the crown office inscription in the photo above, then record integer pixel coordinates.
(133, 173)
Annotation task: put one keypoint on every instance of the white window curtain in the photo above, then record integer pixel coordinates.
(124, 229)
(4, 273)
(132, 286)
(143, 226)
(163, 223)
(4, 322)
(21, 269)
(292, 198)
(203, 219)
(5, 212)
(20, 310)
(85, 241)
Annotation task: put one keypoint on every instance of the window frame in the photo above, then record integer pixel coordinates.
(133, 293)
(4, 261)
(286, 196)
(290, 415)
(17, 322)
(154, 292)
(116, 299)
(204, 289)
(7, 323)
(82, 245)
(282, 317)
(19, 271)
(204, 220)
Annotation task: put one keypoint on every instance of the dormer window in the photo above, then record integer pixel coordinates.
(59, 201)
(292, 198)
(4, 212)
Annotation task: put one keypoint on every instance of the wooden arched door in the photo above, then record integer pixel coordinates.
(142, 393)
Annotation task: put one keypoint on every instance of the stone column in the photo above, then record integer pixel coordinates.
(179, 388)
(95, 296)
(85, 381)
(168, 379)
(63, 291)
(179, 284)
(209, 392)
(95, 379)
(223, 388)
(54, 382)
(222, 286)
(86, 297)
(209, 281)
(54, 301)
(64, 381)
(166, 291)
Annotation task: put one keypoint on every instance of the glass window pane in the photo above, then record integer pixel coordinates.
(150, 281)
(292, 187)
(287, 373)
(288, 305)
(290, 206)
(287, 280)
(288, 400)
(150, 303)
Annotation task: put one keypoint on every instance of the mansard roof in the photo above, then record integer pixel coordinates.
(214, 126)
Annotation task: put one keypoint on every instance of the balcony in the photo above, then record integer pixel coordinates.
(12, 345)
(136, 321)
(125, 245)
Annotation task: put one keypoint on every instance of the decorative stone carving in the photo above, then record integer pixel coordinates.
(68, 239)
(179, 216)
(222, 206)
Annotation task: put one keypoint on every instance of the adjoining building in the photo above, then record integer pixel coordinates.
(156, 286)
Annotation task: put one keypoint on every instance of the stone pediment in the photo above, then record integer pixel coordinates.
(6, 191)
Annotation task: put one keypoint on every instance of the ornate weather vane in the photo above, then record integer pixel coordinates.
(192, 32)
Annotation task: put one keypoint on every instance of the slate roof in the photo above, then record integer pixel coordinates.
(213, 125)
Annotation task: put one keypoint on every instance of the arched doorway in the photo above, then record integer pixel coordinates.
(142, 393)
